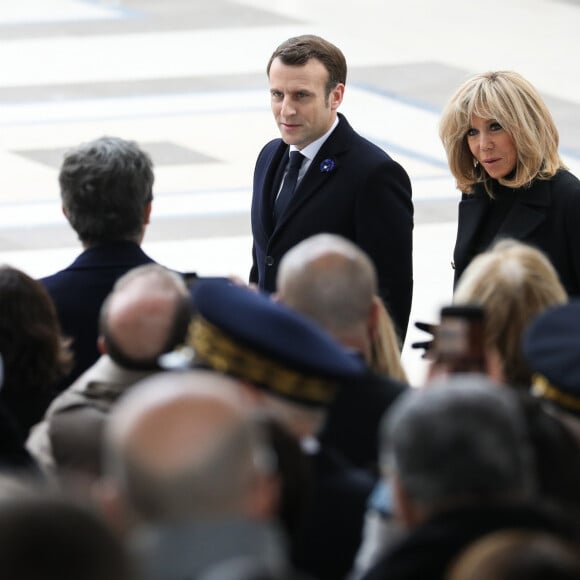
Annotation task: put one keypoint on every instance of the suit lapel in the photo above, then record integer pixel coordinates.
(271, 185)
(317, 177)
(528, 212)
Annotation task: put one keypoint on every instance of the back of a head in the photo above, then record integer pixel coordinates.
(180, 446)
(46, 537)
(462, 441)
(518, 555)
(513, 282)
(330, 280)
(106, 185)
(146, 315)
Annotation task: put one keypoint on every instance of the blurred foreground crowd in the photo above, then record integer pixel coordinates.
(163, 426)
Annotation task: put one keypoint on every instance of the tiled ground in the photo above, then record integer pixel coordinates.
(186, 79)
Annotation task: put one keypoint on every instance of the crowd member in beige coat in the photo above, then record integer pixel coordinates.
(146, 315)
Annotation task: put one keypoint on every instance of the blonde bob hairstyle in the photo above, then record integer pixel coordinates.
(513, 282)
(509, 99)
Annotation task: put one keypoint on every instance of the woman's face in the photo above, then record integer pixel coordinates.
(492, 146)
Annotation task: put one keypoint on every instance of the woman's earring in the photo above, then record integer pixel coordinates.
(475, 162)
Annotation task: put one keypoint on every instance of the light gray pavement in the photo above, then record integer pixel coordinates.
(185, 78)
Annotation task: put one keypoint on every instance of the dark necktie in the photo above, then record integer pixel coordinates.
(289, 185)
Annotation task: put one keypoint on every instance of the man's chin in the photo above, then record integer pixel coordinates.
(290, 137)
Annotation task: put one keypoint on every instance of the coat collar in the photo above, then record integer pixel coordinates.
(527, 213)
(324, 166)
(110, 254)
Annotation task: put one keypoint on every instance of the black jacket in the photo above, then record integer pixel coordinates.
(352, 423)
(546, 216)
(427, 551)
(79, 291)
(353, 189)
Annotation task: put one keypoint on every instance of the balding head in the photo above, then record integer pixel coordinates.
(145, 315)
(182, 445)
(330, 280)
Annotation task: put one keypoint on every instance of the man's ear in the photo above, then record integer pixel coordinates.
(494, 366)
(373, 319)
(102, 345)
(109, 501)
(262, 501)
(147, 213)
(336, 96)
(406, 511)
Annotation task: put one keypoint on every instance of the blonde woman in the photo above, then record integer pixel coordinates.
(513, 282)
(502, 148)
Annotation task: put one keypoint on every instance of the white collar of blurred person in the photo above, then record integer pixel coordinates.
(310, 445)
(179, 359)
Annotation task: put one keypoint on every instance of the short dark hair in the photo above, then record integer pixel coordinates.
(298, 50)
(105, 186)
(463, 439)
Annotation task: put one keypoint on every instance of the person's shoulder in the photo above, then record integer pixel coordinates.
(477, 191)
(369, 150)
(363, 145)
(563, 192)
(382, 385)
(63, 277)
(332, 464)
(49, 279)
(368, 158)
(270, 148)
(56, 281)
(270, 154)
(564, 180)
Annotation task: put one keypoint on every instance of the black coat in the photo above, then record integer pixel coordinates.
(79, 291)
(352, 188)
(545, 216)
(427, 552)
(327, 543)
(352, 423)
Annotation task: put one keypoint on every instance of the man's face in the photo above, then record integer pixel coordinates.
(301, 108)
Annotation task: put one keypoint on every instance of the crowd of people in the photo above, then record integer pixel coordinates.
(157, 426)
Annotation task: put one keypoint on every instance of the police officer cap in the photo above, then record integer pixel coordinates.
(551, 346)
(246, 334)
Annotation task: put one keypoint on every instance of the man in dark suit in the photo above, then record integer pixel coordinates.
(106, 190)
(344, 184)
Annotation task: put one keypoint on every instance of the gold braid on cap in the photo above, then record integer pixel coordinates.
(227, 356)
(541, 387)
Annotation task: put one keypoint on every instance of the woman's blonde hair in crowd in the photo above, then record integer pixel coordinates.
(513, 282)
(385, 355)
